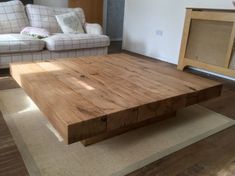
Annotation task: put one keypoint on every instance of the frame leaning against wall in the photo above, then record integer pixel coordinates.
(208, 41)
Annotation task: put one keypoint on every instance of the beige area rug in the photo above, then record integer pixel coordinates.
(45, 153)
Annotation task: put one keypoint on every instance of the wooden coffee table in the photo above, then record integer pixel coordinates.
(93, 98)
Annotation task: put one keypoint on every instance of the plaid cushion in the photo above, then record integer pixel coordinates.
(11, 43)
(62, 42)
(44, 17)
(12, 17)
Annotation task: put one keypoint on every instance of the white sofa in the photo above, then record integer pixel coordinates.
(14, 47)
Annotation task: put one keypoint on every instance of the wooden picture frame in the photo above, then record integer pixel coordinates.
(208, 41)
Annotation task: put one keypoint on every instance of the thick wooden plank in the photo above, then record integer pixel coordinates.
(88, 96)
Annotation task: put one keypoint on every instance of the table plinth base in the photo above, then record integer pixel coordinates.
(125, 129)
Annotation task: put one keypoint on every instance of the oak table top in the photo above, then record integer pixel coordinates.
(87, 96)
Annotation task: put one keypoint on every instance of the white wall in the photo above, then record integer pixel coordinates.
(53, 3)
(144, 17)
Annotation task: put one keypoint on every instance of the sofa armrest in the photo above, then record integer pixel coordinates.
(93, 28)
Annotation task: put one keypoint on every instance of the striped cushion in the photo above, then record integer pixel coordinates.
(12, 17)
(62, 42)
(44, 17)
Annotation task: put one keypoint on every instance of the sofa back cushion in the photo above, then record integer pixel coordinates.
(12, 17)
(44, 17)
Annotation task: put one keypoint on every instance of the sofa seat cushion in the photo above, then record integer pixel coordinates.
(13, 17)
(13, 43)
(62, 42)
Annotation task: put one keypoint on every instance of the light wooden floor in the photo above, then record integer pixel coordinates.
(11, 163)
(214, 156)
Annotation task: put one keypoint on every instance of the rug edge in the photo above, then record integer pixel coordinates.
(174, 149)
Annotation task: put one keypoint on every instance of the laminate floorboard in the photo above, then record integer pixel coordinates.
(11, 162)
